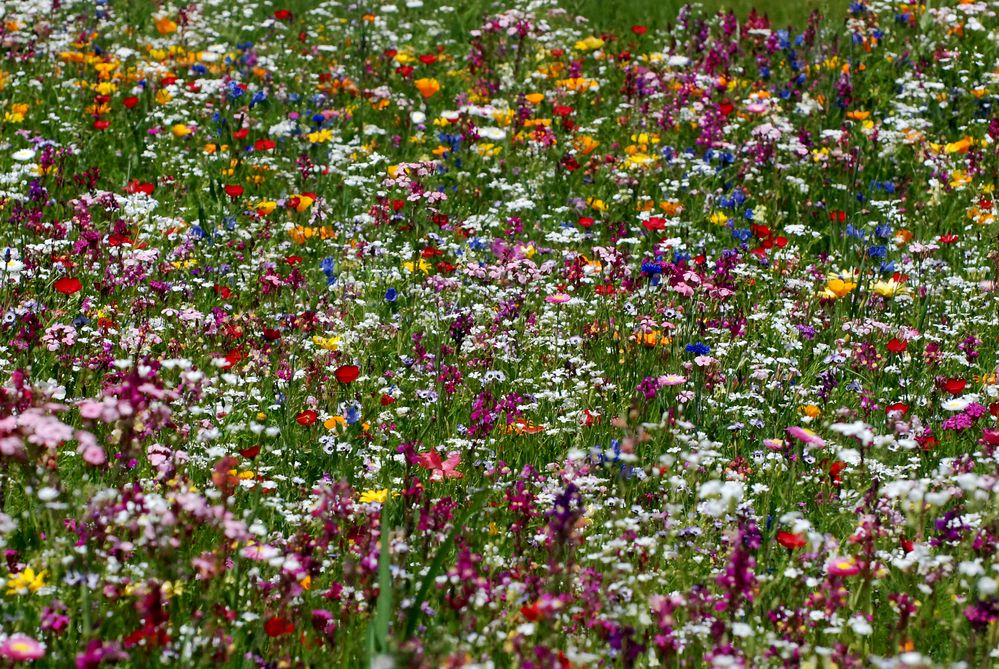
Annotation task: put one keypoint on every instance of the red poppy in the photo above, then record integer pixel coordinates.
(68, 285)
(531, 611)
(241, 133)
(896, 345)
(428, 59)
(790, 540)
(278, 626)
(347, 373)
(272, 334)
(386, 400)
(234, 190)
(585, 222)
(954, 386)
(101, 124)
(251, 452)
(639, 29)
(282, 15)
(948, 239)
(654, 224)
(264, 144)
(726, 107)
(130, 101)
(906, 544)
(222, 291)
(169, 80)
(897, 407)
(232, 357)
(306, 418)
(135, 186)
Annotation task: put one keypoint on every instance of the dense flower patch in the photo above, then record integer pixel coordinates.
(411, 335)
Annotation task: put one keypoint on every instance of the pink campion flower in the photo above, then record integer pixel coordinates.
(843, 566)
(806, 436)
(89, 449)
(20, 647)
(440, 470)
(260, 552)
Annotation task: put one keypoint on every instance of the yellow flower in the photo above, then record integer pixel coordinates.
(427, 87)
(370, 496)
(163, 96)
(596, 204)
(327, 343)
(589, 43)
(718, 218)
(811, 411)
(889, 288)
(180, 130)
(535, 98)
(638, 160)
(266, 206)
(837, 288)
(26, 581)
(422, 266)
(304, 201)
(335, 422)
(320, 136)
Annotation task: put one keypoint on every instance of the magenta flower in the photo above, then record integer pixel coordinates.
(20, 647)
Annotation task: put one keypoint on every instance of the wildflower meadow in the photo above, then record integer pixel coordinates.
(503, 334)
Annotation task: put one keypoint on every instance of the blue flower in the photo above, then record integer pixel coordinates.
(700, 348)
(391, 294)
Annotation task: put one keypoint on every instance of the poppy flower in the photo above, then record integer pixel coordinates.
(898, 407)
(234, 190)
(283, 15)
(278, 626)
(532, 612)
(585, 222)
(102, 124)
(954, 386)
(386, 400)
(68, 285)
(896, 345)
(639, 29)
(306, 418)
(272, 334)
(790, 540)
(264, 144)
(130, 101)
(251, 452)
(347, 373)
(427, 87)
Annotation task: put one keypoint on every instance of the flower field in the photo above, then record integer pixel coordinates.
(492, 335)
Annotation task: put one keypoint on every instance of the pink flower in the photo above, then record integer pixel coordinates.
(806, 436)
(843, 566)
(20, 647)
(440, 470)
(558, 298)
